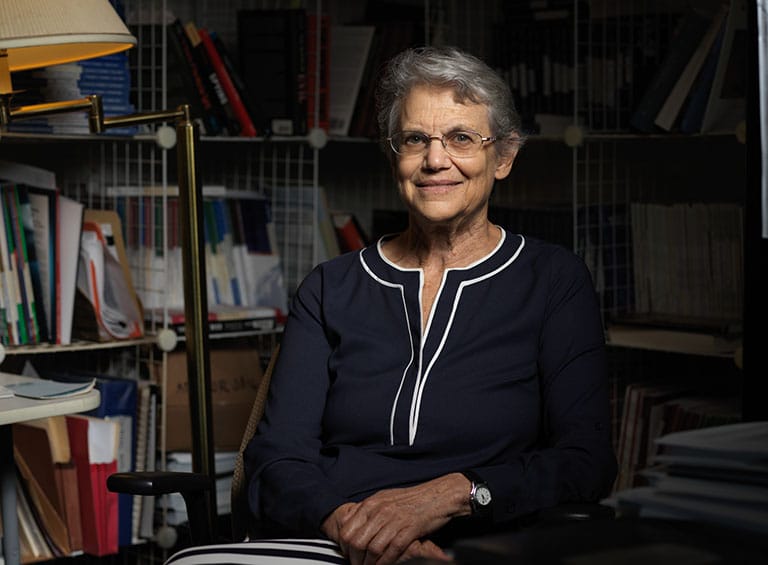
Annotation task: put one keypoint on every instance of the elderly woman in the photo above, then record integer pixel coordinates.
(450, 375)
(449, 379)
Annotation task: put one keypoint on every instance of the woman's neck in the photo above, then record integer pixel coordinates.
(442, 247)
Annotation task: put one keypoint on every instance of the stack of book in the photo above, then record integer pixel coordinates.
(202, 73)
(652, 410)
(224, 467)
(717, 475)
(64, 506)
(38, 258)
(108, 76)
(535, 55)
(244, 273)
(700, 84)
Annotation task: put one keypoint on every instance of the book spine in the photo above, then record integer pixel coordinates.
(219, 100)
(299, 71)
(247, 128)
(689, 34)
(318, 72)
(27, 232)
(15, 278)
(180, 43)
(249, 101)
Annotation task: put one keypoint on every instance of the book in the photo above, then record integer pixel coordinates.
(93, 442)
(32, 453)
(696, 105)
(69, 499)
(119, 403)
(13, 309)
(42, 210)
(691, 29)
(272, 45)
(27, 174)
(223, 318)
(38, 267)
(43, 389)
(144, 454)
(349, 53)
(147, 517)
(223, 464)
(246, 127)
(21, 254)
(32, 543)
(220, 102)
(191, 77)
(318, 71)
(69, 221)
(249, 100)
(327, 242)
(669, 111)
(390, 38)
(349, 232)
(17, 205)
(726, 105)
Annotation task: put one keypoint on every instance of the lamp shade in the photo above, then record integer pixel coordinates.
(39, 33)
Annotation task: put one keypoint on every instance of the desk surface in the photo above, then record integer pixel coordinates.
(620, 541)
(18, 409)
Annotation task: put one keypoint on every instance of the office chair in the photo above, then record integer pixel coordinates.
(194, 487)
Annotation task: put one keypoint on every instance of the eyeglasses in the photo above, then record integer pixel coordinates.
(455, 143)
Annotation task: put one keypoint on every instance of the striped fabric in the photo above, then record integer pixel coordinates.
(262, 552)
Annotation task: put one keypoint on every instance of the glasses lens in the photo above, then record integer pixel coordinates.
(409, 142)
(463, 143)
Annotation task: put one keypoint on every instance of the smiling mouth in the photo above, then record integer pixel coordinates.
(436, 185)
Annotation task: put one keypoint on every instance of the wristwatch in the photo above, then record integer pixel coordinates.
(480, 495)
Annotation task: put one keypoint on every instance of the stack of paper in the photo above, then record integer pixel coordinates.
(717, 475)
(224, 466)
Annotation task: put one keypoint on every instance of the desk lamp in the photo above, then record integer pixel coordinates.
(40, 33)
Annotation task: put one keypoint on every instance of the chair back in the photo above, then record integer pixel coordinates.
(241, 513)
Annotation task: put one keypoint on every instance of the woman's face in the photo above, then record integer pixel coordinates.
(436, 186)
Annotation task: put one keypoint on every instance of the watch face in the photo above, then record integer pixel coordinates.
(483, 495)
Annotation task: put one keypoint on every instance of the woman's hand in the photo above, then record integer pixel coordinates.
(390, 525)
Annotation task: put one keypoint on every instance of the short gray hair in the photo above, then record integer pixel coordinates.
(470, 78)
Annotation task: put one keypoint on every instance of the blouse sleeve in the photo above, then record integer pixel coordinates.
(574, 460)
(286, 483)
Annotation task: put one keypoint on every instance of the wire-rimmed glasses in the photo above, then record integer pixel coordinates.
(461, 143)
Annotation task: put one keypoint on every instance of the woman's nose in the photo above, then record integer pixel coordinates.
(436, 156)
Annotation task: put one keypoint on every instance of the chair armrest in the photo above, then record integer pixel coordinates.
(158, 482)
(193, 487)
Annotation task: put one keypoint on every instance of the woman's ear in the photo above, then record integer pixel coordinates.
(507, 157)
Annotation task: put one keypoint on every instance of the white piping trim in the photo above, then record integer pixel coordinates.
(421, 380)
(410, 338)
(415, 420)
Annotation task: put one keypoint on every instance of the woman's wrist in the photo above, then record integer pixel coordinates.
(460, 490)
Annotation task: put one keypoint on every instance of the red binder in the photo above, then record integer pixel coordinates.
(93, 462)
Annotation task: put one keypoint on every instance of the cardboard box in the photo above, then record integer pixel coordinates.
(235, 378)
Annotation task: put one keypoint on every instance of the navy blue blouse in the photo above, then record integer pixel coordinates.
(507, 379)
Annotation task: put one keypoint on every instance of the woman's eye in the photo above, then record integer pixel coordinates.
(414, 139)
(461, 138)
